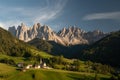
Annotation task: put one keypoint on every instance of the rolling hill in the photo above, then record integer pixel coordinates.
(57, 49)
(106, 50)
(9, 45)
(10, 73)
(13, 51)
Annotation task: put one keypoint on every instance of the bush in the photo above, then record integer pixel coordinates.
(7, 61)
(104, 69)
(113, 77)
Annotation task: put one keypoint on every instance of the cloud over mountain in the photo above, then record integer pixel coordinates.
(107, 15)
(42, 13)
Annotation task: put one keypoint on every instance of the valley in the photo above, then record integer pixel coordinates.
(10, 73)
(59, 39)
(72, 64)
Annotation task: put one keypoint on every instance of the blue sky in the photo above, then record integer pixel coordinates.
(87, 14)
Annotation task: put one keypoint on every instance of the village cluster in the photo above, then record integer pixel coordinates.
(24, 67)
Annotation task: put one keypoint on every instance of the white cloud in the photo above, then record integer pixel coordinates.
(49, 12)
(108, 15)
(1, 25)
(43, 14)
(10, 23)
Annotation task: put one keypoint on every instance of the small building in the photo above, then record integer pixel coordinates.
(20, 65)
(43, 65)
(37, 66)
(29, 66)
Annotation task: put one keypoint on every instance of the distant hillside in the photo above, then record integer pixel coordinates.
(57, 49)
(11, 46)
(106, 50)
(41, 44)
(67, 51)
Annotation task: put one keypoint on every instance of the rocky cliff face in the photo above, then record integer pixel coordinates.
(12, 30)
(69, 36)
(94, 36)
(73, 35)
(37, 31)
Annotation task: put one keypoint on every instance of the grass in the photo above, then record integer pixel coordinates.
(73, 72)
(16, 59)
(8, 72)
(83, 67)
(68, 60)
(41, 53)
(22, 59)
(43, 74)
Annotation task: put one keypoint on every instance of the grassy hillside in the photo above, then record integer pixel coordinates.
(41, 53)
(106, 50)
(10, 73)
(55, 75)
(13, 51)
(11, 46)
(41, 44)
(6, 71)
(57, 49)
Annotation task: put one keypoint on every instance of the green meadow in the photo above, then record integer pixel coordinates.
(8, 72)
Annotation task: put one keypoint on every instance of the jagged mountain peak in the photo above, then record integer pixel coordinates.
(47, 28)
(72, 35)
(13, 27)
(67, 36)
(73, 30)
(22, 27)
(36, 25)
(12, 30)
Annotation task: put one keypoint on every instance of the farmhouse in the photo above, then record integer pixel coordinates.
(20, 65)
(29, 66)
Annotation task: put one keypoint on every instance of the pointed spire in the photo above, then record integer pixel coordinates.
(39, 25)
(22, 24)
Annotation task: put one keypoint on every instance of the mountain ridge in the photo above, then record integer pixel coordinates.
(105, 50)
(67, 36)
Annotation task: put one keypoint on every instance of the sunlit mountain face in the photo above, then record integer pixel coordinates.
(67, 36)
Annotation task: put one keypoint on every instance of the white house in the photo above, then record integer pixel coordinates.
(20, 65)
(44, 65)
(29, 66)
(37, 66)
